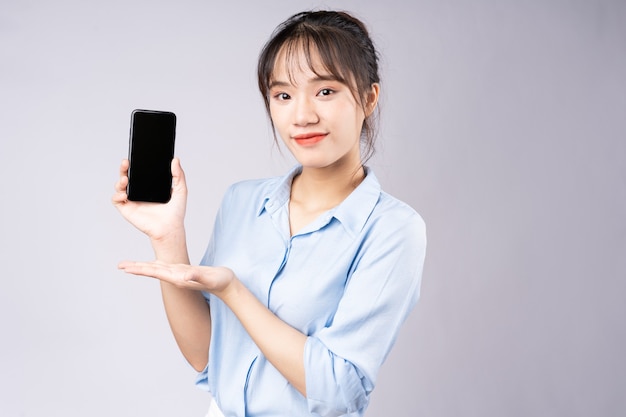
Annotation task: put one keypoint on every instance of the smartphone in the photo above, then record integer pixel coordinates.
(150, 152)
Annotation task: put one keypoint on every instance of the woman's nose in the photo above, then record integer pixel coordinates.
(305, 112)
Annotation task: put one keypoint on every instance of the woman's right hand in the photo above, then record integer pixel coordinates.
(158, 221)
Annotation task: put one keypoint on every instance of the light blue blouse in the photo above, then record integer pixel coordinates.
(347, 281)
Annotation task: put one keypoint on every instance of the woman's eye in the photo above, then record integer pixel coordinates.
(325, 92)
(282, 96)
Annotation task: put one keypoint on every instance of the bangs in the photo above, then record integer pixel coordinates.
(326, 52)
(321, 60)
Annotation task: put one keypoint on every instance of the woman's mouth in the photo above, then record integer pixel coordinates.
(308, 139)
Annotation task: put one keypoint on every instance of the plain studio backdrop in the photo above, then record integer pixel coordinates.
(503, 124)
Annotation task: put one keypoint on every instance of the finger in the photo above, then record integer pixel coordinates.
(178, 175)
(144, 266)
(156, 269)
(147, 269)
(124, 167)
(124, 264)
(121, 184)
(119, 197)
(177, 275)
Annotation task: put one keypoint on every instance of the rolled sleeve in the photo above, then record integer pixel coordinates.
(202, 379)
(334, 386)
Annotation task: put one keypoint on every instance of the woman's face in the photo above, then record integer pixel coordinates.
(317, 116)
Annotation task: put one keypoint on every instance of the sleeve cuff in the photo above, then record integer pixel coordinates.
(334, 386)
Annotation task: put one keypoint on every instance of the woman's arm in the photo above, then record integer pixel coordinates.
(281, 344)
(187, 311)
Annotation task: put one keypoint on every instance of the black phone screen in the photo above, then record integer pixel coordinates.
(151, 151)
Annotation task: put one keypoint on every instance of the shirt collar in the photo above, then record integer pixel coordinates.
(353, 212)
(279, 191)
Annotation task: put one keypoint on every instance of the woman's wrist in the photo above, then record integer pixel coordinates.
(171, 247)
(231, 291)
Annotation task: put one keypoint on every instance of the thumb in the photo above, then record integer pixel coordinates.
(178, 175)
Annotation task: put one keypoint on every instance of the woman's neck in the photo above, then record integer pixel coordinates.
(322, 189)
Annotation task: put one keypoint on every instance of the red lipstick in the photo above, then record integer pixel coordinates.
(308, 139)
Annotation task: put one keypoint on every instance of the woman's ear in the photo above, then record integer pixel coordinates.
(371, 100)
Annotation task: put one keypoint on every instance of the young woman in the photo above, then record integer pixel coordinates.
(307, 277)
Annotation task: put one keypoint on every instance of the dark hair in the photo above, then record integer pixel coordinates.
(345, 49)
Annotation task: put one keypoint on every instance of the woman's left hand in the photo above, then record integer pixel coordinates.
(215, 280)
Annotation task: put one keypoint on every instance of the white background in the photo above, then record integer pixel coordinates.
(503, 125)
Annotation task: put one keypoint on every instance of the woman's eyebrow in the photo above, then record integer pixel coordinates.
(328, 77)
(316, 79)
(278, 83)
